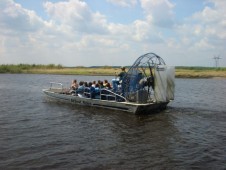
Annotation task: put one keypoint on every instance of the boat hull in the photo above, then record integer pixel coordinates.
(135, 108)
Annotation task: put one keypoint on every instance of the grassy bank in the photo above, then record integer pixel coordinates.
(26, 68)
(181, 72)
(200, 72)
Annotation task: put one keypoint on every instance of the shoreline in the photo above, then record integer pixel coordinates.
(176, 76)
(186, 72)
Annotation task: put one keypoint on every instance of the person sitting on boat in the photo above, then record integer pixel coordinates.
(105, 83)
(94, 84)
(91, 90)
(101, 84)
(74, 85)
(108, 86)
(117, 81)
(98, 82)
(97, 89)
(81, 88)
(86, 84)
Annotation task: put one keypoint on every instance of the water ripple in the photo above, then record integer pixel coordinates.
(37, 134)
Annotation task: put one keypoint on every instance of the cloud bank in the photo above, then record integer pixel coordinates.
(74, 34)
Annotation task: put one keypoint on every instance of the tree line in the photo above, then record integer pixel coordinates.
(20, 68)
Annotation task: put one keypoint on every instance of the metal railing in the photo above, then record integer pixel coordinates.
(111, 94)
(107, 95)
(58, 84)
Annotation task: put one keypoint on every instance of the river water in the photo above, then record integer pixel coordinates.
(38, 134)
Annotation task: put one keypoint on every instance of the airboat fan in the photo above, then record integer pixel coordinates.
(147, 79)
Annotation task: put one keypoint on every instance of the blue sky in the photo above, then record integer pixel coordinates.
(112, 32)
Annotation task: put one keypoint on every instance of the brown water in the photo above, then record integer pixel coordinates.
(38, 134)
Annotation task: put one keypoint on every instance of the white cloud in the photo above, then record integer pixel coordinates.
(17, 19)
(141, 29)
(76, 35)
(123, 3)
(208, 25)
(203, 44)
(159, 12)
(200, 36)
(77, 15)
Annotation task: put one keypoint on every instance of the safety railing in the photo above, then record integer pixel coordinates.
(105, 94)
(109, 95)
(56, 86)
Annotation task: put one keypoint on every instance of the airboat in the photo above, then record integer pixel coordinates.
(147, 86)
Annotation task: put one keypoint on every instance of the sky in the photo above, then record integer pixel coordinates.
(112, 32)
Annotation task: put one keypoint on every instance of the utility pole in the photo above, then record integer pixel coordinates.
(216, 58)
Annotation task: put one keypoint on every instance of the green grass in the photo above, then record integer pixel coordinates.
(201, 68)
(23, 68)
(181, 72)
(200, 72)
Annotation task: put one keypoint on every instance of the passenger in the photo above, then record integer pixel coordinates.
(94, 84)
(81, 88)
(91, 90)
(98, 82)
(105, 83)
(97, 89)
(108, 86)
(117, 81)
(101, 84)
(74, 85)
(86, 84)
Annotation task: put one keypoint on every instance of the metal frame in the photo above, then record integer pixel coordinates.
(141, 70)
